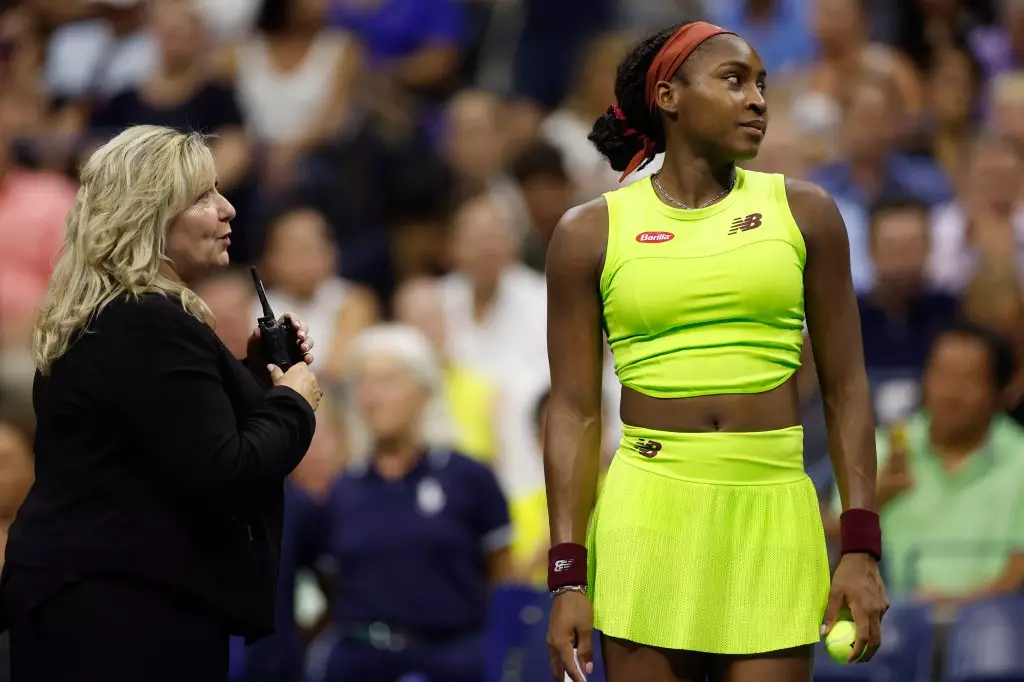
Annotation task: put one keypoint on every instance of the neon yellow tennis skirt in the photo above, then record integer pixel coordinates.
(709, 542)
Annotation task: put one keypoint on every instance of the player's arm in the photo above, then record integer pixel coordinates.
(834, 325)
(572, 442)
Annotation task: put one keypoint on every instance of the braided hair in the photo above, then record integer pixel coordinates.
(617, 139)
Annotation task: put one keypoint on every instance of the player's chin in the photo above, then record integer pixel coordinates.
(746, 152)
(745, 147)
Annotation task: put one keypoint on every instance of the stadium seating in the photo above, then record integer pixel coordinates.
(986, 642)
(908, 644)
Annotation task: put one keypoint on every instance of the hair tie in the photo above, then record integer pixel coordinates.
(650, 147)
(616, 111)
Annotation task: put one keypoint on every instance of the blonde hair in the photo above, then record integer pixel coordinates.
(116, 232)
(410, 346)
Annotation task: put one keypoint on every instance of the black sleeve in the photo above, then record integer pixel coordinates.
(173, 400)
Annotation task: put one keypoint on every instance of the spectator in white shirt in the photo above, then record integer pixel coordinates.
(229, 20)
(300, 266)
(496, 317)
(470, 396)
(987, 218)
(295, 78)
(567, 128)
(99, 58)
(88, 62)
(495, 304)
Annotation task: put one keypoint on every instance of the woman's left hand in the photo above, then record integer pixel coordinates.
(255, 360)
(858, 586)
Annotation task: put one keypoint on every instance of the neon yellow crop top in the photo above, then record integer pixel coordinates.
(707, 301)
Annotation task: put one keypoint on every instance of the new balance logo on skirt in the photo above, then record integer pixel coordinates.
(563, 565)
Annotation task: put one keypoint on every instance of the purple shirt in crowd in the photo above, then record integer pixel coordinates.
(392, 29)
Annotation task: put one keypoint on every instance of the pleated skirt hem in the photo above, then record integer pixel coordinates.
(722, 569)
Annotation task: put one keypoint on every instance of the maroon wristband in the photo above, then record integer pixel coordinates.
(567, 565)
(860, 533)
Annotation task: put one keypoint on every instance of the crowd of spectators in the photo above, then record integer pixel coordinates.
(407, 161)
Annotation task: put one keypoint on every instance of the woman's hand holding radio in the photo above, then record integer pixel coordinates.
(254, 350)
(299, 378)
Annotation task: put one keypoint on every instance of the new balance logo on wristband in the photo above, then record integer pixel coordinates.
(567, 566)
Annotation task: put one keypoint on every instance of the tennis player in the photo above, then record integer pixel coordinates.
(705, 554)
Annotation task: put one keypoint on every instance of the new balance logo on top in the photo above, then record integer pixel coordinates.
(745, 223)
(563, 565)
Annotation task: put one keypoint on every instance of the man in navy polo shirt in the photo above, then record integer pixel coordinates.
(416, 553)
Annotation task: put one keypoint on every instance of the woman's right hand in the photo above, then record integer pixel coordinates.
(571, 626)
(299, 378)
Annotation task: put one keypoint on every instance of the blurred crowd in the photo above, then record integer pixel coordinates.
(405, 162)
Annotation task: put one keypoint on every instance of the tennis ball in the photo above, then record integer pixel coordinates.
(839, 642)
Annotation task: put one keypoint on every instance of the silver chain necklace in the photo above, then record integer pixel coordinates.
(707, 203)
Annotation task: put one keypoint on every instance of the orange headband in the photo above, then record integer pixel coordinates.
(668, 60)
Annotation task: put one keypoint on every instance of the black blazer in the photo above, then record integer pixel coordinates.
(159, 456)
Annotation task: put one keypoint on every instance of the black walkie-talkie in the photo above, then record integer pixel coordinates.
(280, 341)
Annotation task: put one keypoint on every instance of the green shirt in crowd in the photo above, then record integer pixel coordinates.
(953, 531)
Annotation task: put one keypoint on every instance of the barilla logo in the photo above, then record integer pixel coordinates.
(563, 565)
(655, 237)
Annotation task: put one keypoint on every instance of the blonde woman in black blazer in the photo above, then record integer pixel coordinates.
(153, 529)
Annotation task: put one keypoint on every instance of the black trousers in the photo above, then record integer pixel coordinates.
(108, 629)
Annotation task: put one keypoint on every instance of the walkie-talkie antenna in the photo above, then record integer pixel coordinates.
(267, 312)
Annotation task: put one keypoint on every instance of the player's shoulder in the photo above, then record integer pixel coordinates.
(583, 229)
(583, 217)
(806, 193)
(809, 202)
(814, 211)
